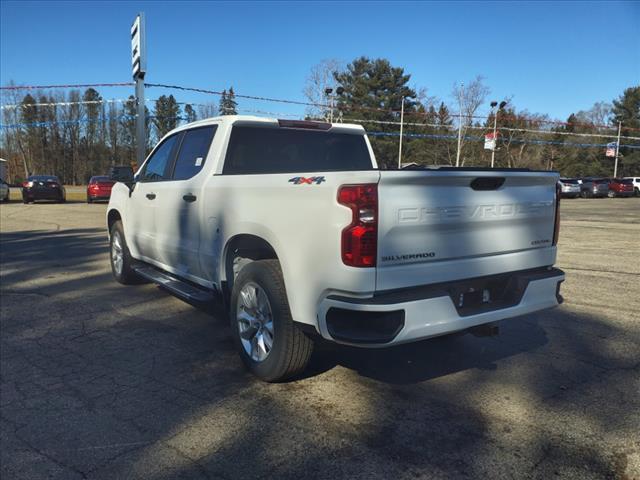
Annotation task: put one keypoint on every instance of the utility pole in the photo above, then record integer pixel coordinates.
(615, 168)
(495, 140)
(139, 69)
(401, 125)
(328, 91)
(459, 124)
(495, 126)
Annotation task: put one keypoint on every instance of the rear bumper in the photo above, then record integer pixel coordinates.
(99, 196)
(50, 194)
(417, 313)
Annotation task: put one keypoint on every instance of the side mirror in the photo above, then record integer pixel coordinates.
(130, 181)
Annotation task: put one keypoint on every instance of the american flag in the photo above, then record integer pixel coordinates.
(611, 149)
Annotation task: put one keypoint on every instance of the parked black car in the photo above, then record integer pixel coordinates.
(43, 187)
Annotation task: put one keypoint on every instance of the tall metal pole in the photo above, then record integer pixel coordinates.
(615, 168)
(141, 131)
(401, 129)
(139, 69)
(459, 124)
(495, 143)
(331, 103)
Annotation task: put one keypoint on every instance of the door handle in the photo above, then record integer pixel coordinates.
(189, 197)
(151, 196)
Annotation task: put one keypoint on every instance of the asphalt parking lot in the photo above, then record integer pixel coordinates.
(104, 381)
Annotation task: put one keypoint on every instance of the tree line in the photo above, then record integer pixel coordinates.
(78, 134)
(372, 93)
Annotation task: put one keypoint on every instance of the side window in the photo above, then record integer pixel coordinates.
(155, 167)
(193, 152)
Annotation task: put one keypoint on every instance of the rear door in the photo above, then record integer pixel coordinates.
(434, 224)
(180, 204)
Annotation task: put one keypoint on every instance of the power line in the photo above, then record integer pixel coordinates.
(471, 137)
(371, 133)
(504, 116)
(477, 127)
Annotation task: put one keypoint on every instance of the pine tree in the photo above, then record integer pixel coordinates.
(190, 113)
(92, 112)
(373, 89)
(166, 115)
(626, 109)
(232, 105)
(228, 104)
(223, 102)
(128, 131)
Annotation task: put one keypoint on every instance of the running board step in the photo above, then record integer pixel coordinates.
(178, 287)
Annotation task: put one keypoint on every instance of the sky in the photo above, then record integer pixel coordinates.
(550, 57)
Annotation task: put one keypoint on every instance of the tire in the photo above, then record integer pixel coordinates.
(290, 348)
(122, 272)
(89, 199)
(611, 194)
(583, 194)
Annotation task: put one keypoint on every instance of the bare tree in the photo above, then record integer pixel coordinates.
(469, 98)
(599, 114)
(207, 110)
(519, 147)
(321, 77)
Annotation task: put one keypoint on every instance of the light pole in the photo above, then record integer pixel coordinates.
(495, 126)
(401, 125)
(615, 168)
(459, 124)
(328, 91)
(331, 96)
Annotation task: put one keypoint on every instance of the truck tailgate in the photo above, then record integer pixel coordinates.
(442, 225)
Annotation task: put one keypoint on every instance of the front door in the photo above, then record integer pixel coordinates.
(142, 213)
(180, 208)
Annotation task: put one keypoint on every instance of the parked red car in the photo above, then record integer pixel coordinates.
(620, 187)
(99, 188)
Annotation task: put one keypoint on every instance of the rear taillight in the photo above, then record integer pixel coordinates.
(27, 184)
(360, 237)
(556, 224)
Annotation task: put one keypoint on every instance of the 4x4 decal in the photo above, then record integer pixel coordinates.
(309, 180)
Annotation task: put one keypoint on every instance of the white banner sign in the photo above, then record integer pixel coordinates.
(490, 141)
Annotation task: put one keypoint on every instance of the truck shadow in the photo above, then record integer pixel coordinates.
(132, 383)
(432, 358)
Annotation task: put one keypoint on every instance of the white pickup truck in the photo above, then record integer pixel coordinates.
(292, 225)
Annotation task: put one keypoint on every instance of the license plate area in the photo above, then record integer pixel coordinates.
(481, 295)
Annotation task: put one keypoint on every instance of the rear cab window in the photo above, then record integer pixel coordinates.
(255, 149)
